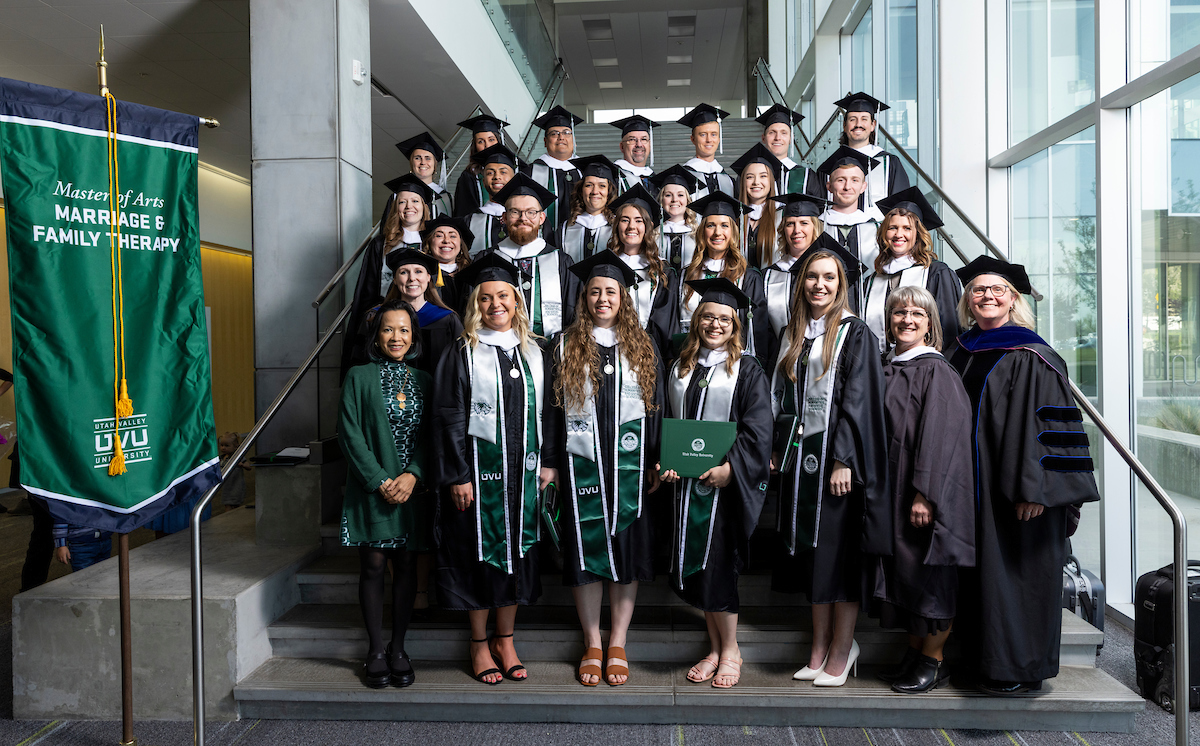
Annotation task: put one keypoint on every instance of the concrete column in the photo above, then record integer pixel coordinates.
(756, 46)
(311, 198)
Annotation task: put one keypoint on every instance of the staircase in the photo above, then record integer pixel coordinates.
(318, 647)
(672, 142)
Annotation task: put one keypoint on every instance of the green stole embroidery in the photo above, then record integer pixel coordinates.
(799, 521)
(696, 503)
(598, 515)
(493, 518)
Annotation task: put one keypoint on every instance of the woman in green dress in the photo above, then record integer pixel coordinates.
(380, 427)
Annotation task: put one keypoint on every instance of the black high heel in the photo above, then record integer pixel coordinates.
(399, 677)
(376, 680)
(509, 673)
(489, 672)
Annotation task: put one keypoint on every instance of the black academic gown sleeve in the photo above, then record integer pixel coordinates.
(755, 320)
(942, 283)
(664, 314)
(570, 285)
(451, 394)
(750, 456)
(436, 338)
(366, 297)
(466, 194)
(897, 176)
(860, 436)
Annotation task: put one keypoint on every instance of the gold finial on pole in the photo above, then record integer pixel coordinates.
(102, 66)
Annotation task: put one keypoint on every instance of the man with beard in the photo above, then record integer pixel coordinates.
(637, 152)
(858, 131)
(777, 125)
(553, 170)
(549, 289)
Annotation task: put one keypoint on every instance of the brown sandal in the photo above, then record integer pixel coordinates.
(615, 669)
(590, 669)
(700, 676)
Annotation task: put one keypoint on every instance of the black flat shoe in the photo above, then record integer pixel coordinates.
(1008, 688)
(376, 673)
(901, 669)
(402, 673)
(928, 673)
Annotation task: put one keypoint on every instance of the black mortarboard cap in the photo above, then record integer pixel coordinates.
(557, 117)
(845, 156)
(635, 123)
(412, 256)
(912, 200)
(605, 264)
(423, 141)
(483, 123)
(851, 264)
(720, 290)
(718, 203)
(862, 102)
(488, 267)
(445, 221)
(801, 205)
(760, 154)
(523, 185)
(410, 183)
(497, 153)
(986, 265)
(596, 165)
(702, 114)
(674, 175)
(779, 114)
(640, 196)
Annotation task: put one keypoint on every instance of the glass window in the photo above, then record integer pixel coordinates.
(1049, 81)
(1165, 285)
(902, 73)
(1160, 30)
(860, 55)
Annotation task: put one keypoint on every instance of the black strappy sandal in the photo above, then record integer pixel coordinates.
(509, 673)
(489, 672)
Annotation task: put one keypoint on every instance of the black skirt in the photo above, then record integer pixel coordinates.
(715, 588)
(466, 584)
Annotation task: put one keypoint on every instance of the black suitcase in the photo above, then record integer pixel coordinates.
(1083, 594)
(1153, 635)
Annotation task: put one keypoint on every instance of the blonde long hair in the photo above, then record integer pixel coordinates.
(922, 252)
(735, 261)
(688, 218)
(473, 321)
(802, 313)
(766, 224)
(581, 354)
(691, 346)
(393, 229)
(1020, 313)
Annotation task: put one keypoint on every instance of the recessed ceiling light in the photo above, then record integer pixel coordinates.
(610, 84)
(681, 26)
(597, 30)
(679, 59)
(678, 82)
(604, 62)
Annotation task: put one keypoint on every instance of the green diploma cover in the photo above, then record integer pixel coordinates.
(692, 447)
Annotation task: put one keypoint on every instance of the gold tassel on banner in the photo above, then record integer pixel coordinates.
(122, 404)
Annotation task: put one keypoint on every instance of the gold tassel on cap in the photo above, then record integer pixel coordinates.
(440, 282)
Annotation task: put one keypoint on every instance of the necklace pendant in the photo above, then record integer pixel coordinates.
(514, 373)
(608, 369)
(402, 398)
(703, 383)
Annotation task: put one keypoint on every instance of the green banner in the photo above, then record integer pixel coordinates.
(105, 282)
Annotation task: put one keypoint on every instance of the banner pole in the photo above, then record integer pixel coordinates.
(127, 737)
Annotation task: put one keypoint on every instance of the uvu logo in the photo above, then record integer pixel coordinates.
(135, 440)
(698, 444)
(490, 476)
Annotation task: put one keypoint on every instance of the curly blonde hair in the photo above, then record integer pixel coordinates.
(473, 321)
(735, 262)
(691, 346)
(581, 354)
(922, 251)
(802, 313)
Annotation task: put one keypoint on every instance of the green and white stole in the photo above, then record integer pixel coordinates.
(494, 520)
(810, 430)
(688, 306)
(600, 516)
(542, 173)
(643, 293)
(543, 293)
(878, 288)
(696, 503)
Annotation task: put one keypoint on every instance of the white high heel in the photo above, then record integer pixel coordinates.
(824, 679)
(808, 674)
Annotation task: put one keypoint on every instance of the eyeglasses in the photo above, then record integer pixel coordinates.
(513, 213)
(559, 134)
(710, 319)
(998, 291)
(900, 314)
(636, 140)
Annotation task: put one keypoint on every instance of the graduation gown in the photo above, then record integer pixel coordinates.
(560, 177)
(581, 240)
(800, 179)
(442, 204)
(464, 582)
(487, 227)
(756, 330)
(1028, 446)
(929, 436)
(886, 178)
(439, 329)
(856, 232)
(451, 294)
(627, 178)
(850, 526)
(676, 245)
(373, 280)
(941, 282)
(568, 285)
(715, 587)
(469, 194)
(712, 178)
(632, 550)
(656, 302)
(781, 283)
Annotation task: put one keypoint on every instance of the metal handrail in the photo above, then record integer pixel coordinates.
(552, 88)
(762, 71)
(198, 705)
(833, 118)
(1180, 563)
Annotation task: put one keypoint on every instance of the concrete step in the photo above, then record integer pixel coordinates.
(670, 634)
(1079, 699)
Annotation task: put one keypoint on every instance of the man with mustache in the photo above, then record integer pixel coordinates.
(858, 132)
(549, 289)
(637, 152)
